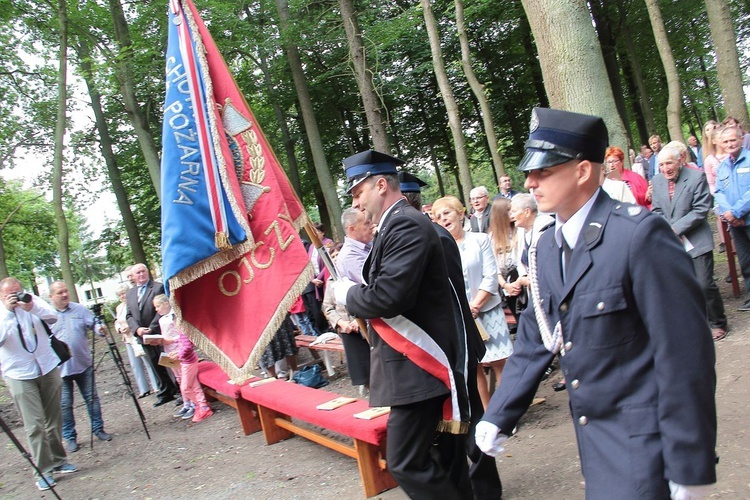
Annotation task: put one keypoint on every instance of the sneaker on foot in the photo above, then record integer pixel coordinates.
(189, 414)
(45, 482)
(745, 306)
(181, 412)
(202, 414)
(65, 468)
(72, 446)
(103, 436)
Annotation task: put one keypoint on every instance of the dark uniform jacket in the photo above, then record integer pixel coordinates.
(406, 275)
(639, 359)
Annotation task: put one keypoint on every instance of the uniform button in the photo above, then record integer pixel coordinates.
(583, 420)
(617, 207)
(568, 345)
(564, 307)
(574, 384)
(600, 306)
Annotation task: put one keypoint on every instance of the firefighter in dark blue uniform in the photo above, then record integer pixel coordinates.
(615, 296)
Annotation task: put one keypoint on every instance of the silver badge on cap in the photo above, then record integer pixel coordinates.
(534, 124)
(633, 211)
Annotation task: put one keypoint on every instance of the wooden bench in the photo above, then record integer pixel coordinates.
(215, 383)
(278, 402)
(333, 345)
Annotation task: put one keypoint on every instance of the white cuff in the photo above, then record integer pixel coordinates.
(691, 492)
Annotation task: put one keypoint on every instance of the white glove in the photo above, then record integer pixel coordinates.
(691, 492)
(489, 439)
(340, 289)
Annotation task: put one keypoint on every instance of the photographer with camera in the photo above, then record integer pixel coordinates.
(29, 366)
(74, 322)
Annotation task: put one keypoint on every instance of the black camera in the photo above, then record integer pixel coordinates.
(96, 309)
(23, 297)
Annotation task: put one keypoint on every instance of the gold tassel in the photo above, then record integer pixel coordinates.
(222, 241)
(453, 427)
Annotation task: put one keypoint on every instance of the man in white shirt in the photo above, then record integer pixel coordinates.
(480, 219)
(29, 366)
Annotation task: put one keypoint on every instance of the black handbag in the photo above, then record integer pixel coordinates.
(61, 348)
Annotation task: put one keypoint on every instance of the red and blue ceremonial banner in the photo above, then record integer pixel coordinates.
(233, 261)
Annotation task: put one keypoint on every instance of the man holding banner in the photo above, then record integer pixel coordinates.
(417, 355)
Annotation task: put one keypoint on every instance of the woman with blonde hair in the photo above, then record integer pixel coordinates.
(480, 277)
(504, 247)
(713, 152)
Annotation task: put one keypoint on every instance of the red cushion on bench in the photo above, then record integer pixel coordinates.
(299, 401)
(211, 375)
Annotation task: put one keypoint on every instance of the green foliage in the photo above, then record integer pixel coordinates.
(28, 232)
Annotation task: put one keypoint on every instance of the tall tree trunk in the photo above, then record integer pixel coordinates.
(640, 120)
(533, 65)
(281, 116)
(127, 87)
(478, 90)
(370, 98)
(57, 174)
(105, 145)
(454, 116)
(674, 103)
(430, 143)
(564, 32)
(727, 60)
(609, 53)
(3, 264)
(707, 88)
(635, 65)
(311, 125)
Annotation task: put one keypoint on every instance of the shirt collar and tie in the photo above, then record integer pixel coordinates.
(142, 292)
(567, 232)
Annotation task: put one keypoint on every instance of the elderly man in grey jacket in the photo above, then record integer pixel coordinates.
(681, 195)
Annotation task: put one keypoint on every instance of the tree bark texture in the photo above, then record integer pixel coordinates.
(371, 100)
(674, 102)
(63, 246)
(727, 60)
(325, 179)
(478, 89)
(454, 116)
(137, 116)
(572, 64)
(105, 146)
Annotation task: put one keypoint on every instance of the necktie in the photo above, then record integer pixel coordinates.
(525, 253)
(671, 189)
(567, 253)
(141, 293)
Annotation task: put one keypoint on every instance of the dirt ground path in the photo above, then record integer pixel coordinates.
(213, 460)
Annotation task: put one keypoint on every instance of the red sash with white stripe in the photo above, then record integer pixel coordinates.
(409, 339)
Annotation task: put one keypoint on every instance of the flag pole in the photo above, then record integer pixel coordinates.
(328, 262)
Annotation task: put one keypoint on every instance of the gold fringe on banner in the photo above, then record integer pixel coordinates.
(240, 374)
(453, 427)
(212, 263)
